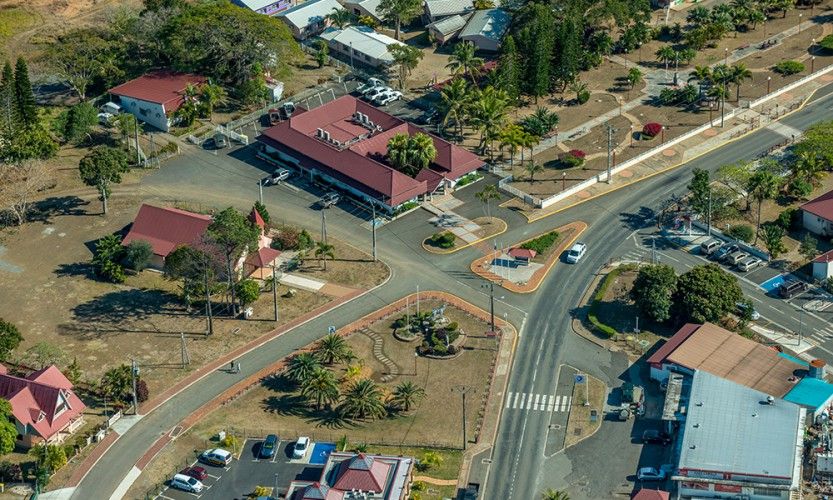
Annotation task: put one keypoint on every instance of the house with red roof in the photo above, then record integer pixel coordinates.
(44, 406)
(348, 476)
(165, 229)
(154, 97)
(817, 215)
(344, 143)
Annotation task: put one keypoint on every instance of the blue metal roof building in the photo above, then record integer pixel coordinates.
(812, 393)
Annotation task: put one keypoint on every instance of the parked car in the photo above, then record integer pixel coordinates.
(301, 447)
(216, 456)
(267, 448)
(220, 140)
(372, 92)
(428, 117)
(105, 119)
(650, 474)
(369, 84)
(197, 472)
(280, 174)
(748, 264)
(186, 483)
(329, 199)
(735, 257)
(110, 108)
(710, 246)
(576, 253)
(789, 289)
(724, 251)
(655, 436)
(388, 97)
(742, 307)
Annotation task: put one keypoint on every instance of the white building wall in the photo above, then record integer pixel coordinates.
(148, 112)
(816, 224)
(482, 42)
(822, 270)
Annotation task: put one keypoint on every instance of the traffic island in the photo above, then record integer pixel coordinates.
(522, 267)
(456, 238)
(586, 413)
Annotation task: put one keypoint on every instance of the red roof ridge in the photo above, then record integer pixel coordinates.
(161, 87)
(821, 206)
(673, 343)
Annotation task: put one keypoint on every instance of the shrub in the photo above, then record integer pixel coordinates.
(741, 232)
(229, 442)
(137, 255)
(305, 241)
(261, 491)
(442, 240)
(247, 291)
(574, 158)
(107, 258)
(287, 238)
(264, 213)
(542, 243)
(418, 486)
(789, 219)
(827, 42)
(651, 130)
(583, 96)
(800, 188)
(787, 68)
(142, 391)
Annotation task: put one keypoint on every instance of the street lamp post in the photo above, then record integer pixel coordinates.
(373, 229)
(275, 289)
(662, 135)
(462, 389)
(631, 135)
(768, 81)
(799, 21)
(812, 64)
(726, 55)
(563, 181)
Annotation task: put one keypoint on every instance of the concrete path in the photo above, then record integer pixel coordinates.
(301, 282)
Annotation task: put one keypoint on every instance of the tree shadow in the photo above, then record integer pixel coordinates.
(82, 269)
(329, 418)
(44, 210)
(643, 218)
(279, 383)
(286, 405)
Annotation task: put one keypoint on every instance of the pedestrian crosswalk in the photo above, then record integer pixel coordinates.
(823, 335)
(537, 402)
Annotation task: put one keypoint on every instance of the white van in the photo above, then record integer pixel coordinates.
(186, 483)
(110, 107)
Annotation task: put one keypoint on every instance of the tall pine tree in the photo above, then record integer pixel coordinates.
(567, 53)
(26, 110)
(8, 114)
(509, 70)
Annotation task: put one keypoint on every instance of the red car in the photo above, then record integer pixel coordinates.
(195, 472)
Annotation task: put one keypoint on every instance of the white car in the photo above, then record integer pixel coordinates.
(374, 91)
(749, 263)
(217, 457)
(650, 474)
(755, 316)
(371, 82)
(388, 97)
(186, 483)
(301, 447)
(110, 108)
(105, 119)
(576, 252)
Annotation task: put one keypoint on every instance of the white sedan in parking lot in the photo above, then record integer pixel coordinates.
(388, 97)
(576, 252)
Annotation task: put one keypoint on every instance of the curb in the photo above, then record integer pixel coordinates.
(430, 249)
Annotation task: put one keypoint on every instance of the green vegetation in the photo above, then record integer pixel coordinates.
(444, 240)
(10, 338)
(652, 291)
(467, 179)
(826, 43)
(137, 255)
(742, 232)
(14, 20)
(448, 466)
(592, 314)
(542, 243)
(107, 259)
(706, 293)
(787, 68)
(102, 167)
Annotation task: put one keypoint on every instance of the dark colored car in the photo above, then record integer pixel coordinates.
(196, 472)
(267, 449)
(788, 289)
(655, 436)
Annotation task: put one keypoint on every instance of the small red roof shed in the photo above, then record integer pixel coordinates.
(645, 494)
(522, 253)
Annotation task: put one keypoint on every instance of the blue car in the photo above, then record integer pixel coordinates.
(267, 449)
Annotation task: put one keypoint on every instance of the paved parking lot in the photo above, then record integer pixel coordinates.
(241, 477)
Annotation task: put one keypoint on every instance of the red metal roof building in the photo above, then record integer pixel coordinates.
(344, 142)
(344, 474)
(645, 494)
(817, 215)
(165, 229)
(44, 406)
(153, 97)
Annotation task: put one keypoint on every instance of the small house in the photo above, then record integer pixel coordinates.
(823, 266)
(817, 215)
(446, 29)
(361, 45)
(439, 9)
(522, 255)
(361, 8)
(486, 29)
(309, 18)
(165, 229)
(153, 98)
(379, 477)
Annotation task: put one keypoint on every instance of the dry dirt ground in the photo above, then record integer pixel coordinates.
(50, 293)
(275, 407)
(579, 425)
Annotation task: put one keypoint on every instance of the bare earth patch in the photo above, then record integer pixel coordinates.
(580, 425)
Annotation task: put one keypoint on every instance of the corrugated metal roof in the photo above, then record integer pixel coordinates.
(490, 23)
(672, 343)
(311, 12)
(810, 392)
(166, 228)
(821, 206)
(439, 8)
(448, 25)
(368, 5)
(161, 87)
(731, 428)
(363, 40)
(257, 4)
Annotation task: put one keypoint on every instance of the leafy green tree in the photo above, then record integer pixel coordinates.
(79, 57)
(363, 399)
(248, 292)
(137, 255)
(210, 95)
(508, 69)
(324, 250)
(232, 233)
(653, 289)
(102, 167)
(463, 60)
(25, 108)
(73, 371)
(817, 142)
(406, 394)
(107, 259)
(301, 367)
(809, 247)
(8, 108)
(736, 177)
(741, 232)
(700, 188)
(264, 213)
(322, 57)
(75, 124)
(44, 354)
(321, 386)
(406, 58)
(28, 142)
(8, 431)
(763, 185)
(773, 237)
(340, 18)
(333, 348)
(706, 293)
(399, 12)
(10, 338)
(117, 383)
(195, 268)
(486, 195)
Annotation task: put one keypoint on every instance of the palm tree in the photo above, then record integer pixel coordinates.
(529, 141)
(512, 137)
(455, 103)
(189, 109)
(301, 367)
(332, 348)
(486, 195)
(339, 18)
(719, 92)
(665, 55)
(763, 185)
(321, 386)
(406, 58)
(533, 168)
(363, 399)
(324, 250)
(634, 76)
(399, 12)
(398, 154)
(464, 62)
(737, 74)
(698, 16)
(578, 87)
(211, 95)
(541, 122)
(423, 152)
(703, 74)
(407, 394)
(489, 113)
(552, 494)
(807, 167)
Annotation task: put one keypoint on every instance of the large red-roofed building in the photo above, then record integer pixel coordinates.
(154, 97)
(44, 406)
(165, 229)
(349, 476)
(344, 143)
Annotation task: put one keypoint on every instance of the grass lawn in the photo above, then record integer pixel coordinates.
(15, 20)
(489, 226)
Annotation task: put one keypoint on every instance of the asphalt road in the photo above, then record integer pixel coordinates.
(543, 318)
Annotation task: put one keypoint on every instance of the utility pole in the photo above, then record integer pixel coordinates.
(186, 359)
(323, 227)
(709, 215)
(275, 289)
(610, 131)
(134, 372)
(373, 229)
(136, 136)
(208, 302)
(260, 190)
(491, 286)
(462, 390)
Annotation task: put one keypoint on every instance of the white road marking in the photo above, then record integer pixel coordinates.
(529, 402)
(557, 402)
(515, 402)
(537, 397)
(523, 398)
(508, 400)
(549, 405)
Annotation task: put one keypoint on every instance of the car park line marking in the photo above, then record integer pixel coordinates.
(213, 476)
(163, 496)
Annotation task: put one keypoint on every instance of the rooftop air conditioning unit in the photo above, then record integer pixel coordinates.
(357, 115)
(364, 118)
(319, 132)
(371, 124)
(325, 135)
